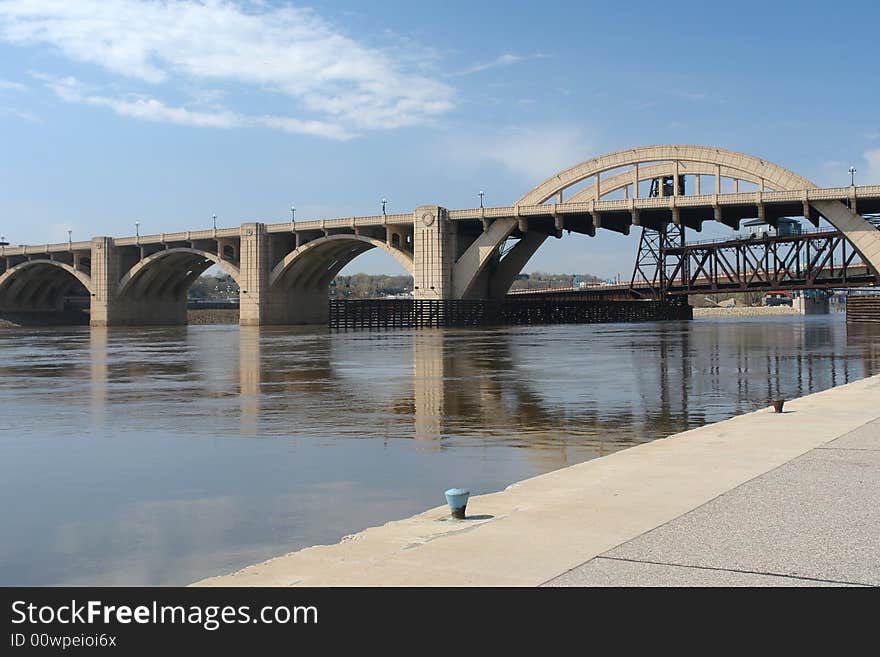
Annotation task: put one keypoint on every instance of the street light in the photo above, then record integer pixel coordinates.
(214, 219)
(384, 203)
(481, 198)
(852, 176)
(137, 228)
(69, 240)
(3, 241)
(292, 214)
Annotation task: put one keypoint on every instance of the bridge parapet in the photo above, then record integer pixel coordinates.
(40, 249)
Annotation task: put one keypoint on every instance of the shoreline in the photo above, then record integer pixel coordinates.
(210, 317)
(746, 311)
(537, 529)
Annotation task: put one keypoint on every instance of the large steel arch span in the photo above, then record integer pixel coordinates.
(38, 282)
(171, 270)
(316, 263)
(662, 158)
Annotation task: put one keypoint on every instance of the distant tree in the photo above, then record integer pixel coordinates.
(213, 287)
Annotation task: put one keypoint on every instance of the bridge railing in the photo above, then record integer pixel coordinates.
(663, 202)
(38, 249)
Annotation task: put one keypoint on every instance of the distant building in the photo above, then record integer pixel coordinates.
(778, 298)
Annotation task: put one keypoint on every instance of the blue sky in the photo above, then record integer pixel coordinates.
(116, 111)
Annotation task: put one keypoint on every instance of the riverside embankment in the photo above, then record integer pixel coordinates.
(230, 316)
(797, 490)
(745, 311)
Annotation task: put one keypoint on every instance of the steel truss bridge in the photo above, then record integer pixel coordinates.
(819, 259)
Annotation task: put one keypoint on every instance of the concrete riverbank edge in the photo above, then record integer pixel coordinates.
(540, 528)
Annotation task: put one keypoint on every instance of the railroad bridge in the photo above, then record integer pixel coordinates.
(283, 269)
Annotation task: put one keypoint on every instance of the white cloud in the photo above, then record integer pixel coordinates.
(502, 60)
(872, 175)
(530, 152)
(9, 85)
(327, 76)
(288, 124)
(13, 113)
(150, 109)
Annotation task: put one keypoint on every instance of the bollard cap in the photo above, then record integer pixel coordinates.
(457, 491)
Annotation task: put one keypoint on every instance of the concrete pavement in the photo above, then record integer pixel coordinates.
(760, 499)
(814, 521)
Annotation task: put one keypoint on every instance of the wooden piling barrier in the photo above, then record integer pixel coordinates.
(374, 314)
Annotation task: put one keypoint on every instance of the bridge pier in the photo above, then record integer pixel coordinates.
(110, 307)
(435, 246)
(254, 259)
(105, 273)
(268, 296)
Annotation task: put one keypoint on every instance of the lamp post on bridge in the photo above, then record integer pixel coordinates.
(852, 176)
(214, 221)
(69, 238)
(3, 241)
(384, 203)
(292, 214)
(137, 229)
(481, 198)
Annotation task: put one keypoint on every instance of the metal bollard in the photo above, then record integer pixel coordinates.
(457, 498)
(777, 405)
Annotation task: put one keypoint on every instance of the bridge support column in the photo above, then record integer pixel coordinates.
(104, 310)
(134, 307)
(435, 246)
(254, 263)
(263, 304)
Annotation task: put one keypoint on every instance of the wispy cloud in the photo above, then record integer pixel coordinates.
(151, 109)
(13, 113)
(532, 153)
(9, 85)
(502, 60)
(327, 77)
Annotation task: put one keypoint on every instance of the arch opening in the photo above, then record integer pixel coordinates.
(155, 289)
(301, 283)
(45, 292)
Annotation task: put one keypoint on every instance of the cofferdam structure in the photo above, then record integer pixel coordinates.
(283, 269)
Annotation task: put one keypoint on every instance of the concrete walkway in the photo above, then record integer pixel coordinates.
(760, 499)
(814, 521)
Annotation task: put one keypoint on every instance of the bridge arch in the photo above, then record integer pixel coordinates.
(168, 274)
(624, 179)
(317, 262)
(661, 160)
(39, 285)
(776, 176)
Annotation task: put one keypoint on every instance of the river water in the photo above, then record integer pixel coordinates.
(162, 456)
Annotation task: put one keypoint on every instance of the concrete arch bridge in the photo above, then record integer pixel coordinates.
(283, 269)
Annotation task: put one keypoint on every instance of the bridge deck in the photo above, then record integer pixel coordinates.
(867, 198)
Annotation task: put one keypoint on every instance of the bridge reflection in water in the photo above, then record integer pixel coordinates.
(619, 386)
(194, 451)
